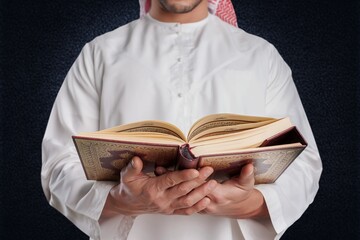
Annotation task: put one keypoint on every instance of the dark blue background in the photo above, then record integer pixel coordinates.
(39, 40)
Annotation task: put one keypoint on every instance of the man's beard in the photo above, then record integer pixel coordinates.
(184, 6)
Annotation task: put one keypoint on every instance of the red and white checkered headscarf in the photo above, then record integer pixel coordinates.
(221, 8)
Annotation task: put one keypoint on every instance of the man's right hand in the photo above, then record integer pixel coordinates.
(179, 192)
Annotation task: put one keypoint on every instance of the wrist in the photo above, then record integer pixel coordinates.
(109, 209)
(113, 207)
(254, 206)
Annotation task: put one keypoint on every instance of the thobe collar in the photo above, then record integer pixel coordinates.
(184, 27)
(213, 35)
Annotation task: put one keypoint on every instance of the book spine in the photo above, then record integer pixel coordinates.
(186, 159)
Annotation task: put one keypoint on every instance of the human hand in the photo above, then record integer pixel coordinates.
(179, 192)
(237, 198)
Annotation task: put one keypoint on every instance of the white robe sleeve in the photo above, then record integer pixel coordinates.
(294, 191)
(75, 110)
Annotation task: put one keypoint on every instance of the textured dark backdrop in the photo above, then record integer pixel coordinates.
(39, 41)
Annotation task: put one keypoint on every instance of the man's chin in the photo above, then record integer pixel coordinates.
(181, 6)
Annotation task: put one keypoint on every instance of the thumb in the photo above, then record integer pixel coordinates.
(132, 170)
(246, 179)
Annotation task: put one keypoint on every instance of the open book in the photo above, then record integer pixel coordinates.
(225, 142)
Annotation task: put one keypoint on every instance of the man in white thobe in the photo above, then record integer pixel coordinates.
(177, 63)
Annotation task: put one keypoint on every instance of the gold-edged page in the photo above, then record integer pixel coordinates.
(137, 137)
(216, 132)
(232, 142)
(258, 149)
(152, 126)
(223, 120)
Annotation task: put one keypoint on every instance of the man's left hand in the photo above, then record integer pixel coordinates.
(237, 197)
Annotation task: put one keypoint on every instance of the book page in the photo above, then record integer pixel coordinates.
(239, 140)
(136, 137)
(220, 131)
(153, 126)
(217, 124)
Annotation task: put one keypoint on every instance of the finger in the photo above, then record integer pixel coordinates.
(171, 179)
(205, 172)
(160, 171)
(246, 177)
(199, 207)
(132, 170)
(195, 195)
(186, 187)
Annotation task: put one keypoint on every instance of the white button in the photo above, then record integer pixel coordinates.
(177, 28)
(179, 59)
(179, 95)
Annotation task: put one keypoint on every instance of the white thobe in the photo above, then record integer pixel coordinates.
(176, 73)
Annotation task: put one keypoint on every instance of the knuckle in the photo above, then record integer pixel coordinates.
(183, 189)
(187, 202)
(218, 199)
(169, 181)
(209, 210)
(188, 211)
(200, 206)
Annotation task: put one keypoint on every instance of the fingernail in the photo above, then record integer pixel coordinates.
(132, 163)
(208, 172)
(251, 172)
(194, 174)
